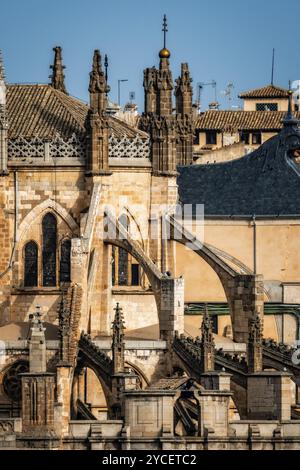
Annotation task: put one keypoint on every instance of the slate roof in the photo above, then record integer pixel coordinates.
(41, 111)
(269, 91)
(235, 121)
(263, 183)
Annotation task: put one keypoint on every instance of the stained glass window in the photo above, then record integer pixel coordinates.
(49, 226)
(31, 265)
(65, 261)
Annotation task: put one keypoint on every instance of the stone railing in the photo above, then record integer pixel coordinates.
(129, 148)
(35, 151)
(72, 151)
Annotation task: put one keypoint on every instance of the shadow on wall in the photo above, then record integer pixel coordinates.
(23, 305)
(21, 330)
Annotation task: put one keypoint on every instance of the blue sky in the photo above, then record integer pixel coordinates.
(228, 41)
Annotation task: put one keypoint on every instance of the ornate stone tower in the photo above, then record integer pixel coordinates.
(57, 77)
(207, 344)
(158, 118)
(97, 120)
(118, 343)
(3, 122)
(184, 98)
(171, 133)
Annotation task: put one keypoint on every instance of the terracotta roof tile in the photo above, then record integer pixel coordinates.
(234, 121)
(41, 111)
(269, 91)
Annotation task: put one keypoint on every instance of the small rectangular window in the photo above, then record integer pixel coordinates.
(256, 138)
(211, 137)
(266, 106)
(245, 137)
(135, 275)
(215, 324)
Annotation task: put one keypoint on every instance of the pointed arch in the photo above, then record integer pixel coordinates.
(49, 230)
(31, 264)
(48, 204)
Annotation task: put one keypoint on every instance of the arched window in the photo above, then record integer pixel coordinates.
(49, 228)
(31, 265)
(65, 261)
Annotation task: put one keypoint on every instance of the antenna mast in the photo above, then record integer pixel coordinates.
(273, 64)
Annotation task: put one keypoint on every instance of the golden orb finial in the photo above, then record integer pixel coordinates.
(164, 53)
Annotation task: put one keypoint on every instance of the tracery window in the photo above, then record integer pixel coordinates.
(65, 261)
(49, 230)
(31, 264)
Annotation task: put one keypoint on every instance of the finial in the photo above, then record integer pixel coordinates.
(290, 120)
(98, 87)
(57, 77)
(119, 319)
(165, 53)
(2, 86)
(2, 74)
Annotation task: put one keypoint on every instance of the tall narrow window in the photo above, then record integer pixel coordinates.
(49, 226)
(65, 261)
(123, 267)
(135, 275)
(113, 266)
(31, 265)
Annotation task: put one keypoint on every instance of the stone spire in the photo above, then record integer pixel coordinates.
(57, 76)
(255, 344)
(3, 121)
(184, 116)
(98, 87)
(118, 342)
(164, 79)
(97, 122)
(207, 344)
(184, 92)
(2, 83)
(150, 87)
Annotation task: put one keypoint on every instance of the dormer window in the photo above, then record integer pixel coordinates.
(266, 106)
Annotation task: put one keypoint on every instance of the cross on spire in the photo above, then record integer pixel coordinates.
(165, 29)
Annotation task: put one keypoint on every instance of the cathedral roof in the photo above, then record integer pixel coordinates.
(234, 121)
(269, 91)
(265, 182)
(41, 111)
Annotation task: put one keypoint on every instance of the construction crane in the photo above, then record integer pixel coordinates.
(200, 87)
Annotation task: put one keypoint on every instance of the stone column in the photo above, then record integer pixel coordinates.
(38, 386)
(171, 312)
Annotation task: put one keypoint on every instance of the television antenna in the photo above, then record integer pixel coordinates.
(228, 93)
